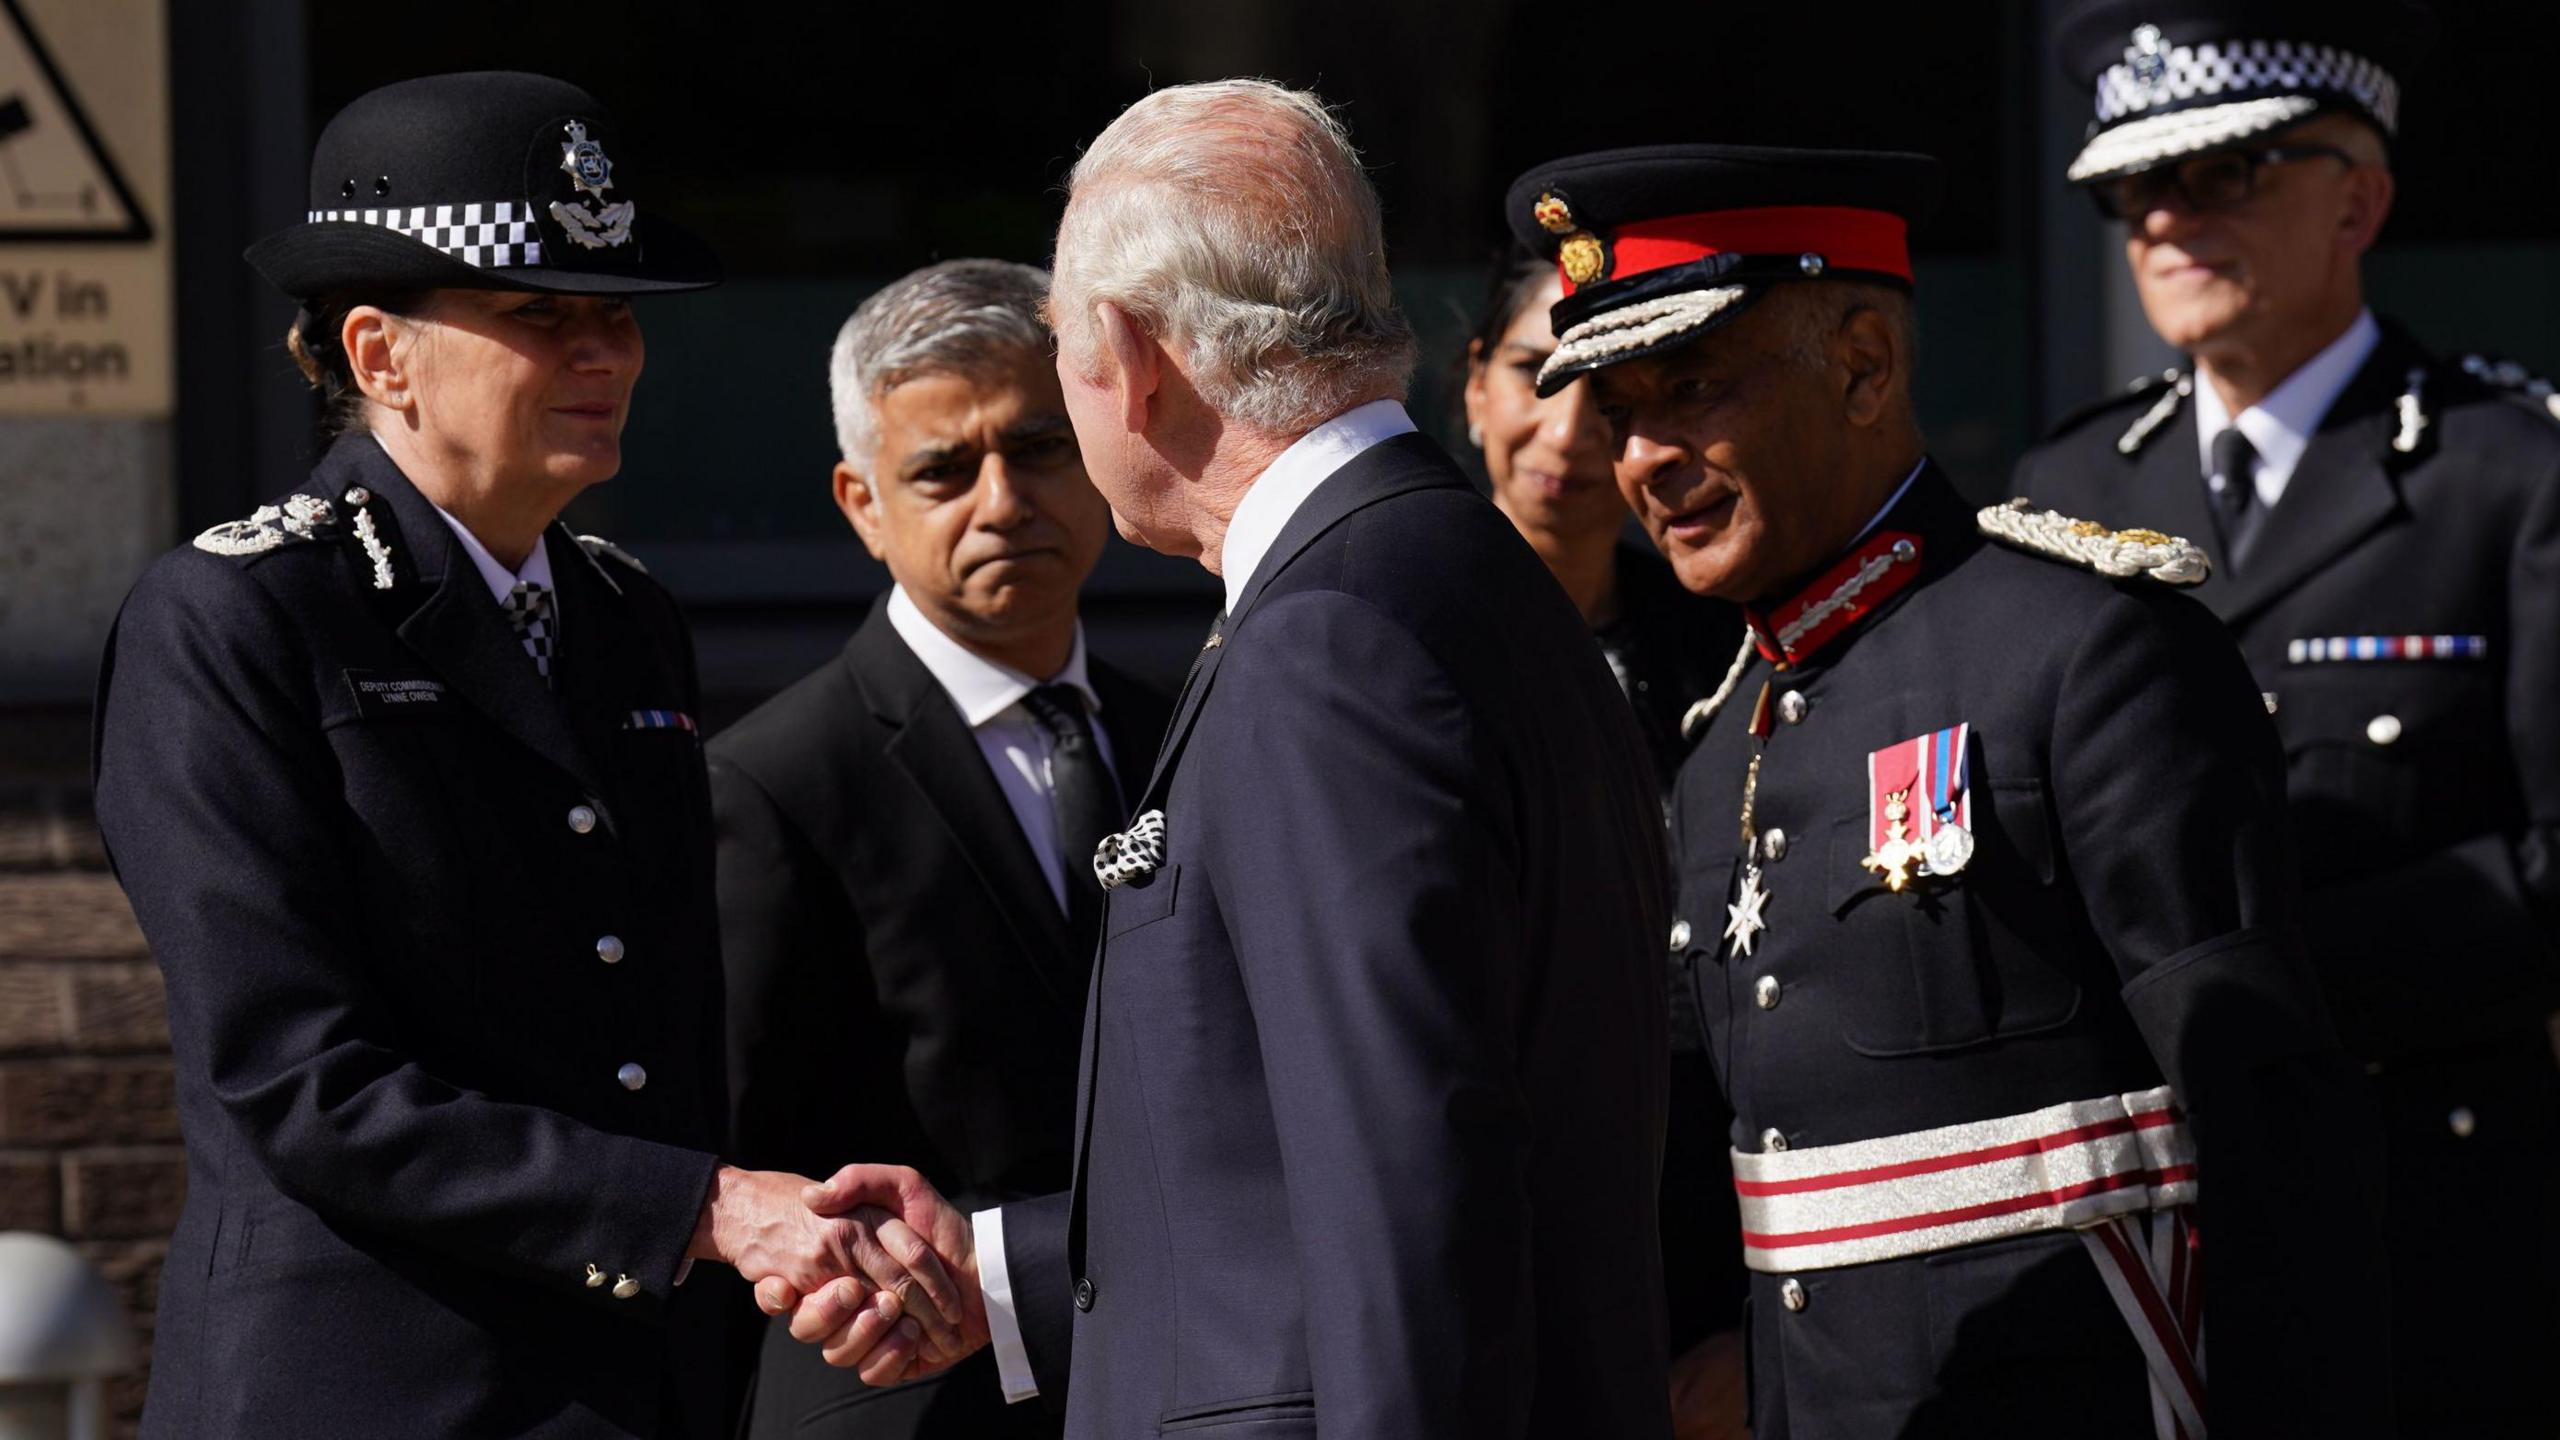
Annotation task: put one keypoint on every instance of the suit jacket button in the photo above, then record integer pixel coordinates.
(1084, 1294)
(1791, 707)
(632, 1077)
(582, 818)
(2382, 729)
(1766, 991)
(1774, 845)
(609, 949)
(1791, 1293)
(1679, 935)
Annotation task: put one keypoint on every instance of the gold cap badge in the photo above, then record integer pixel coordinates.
(1584, 258)
(1553, 214)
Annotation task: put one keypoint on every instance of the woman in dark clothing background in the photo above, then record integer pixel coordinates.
(1550, 464)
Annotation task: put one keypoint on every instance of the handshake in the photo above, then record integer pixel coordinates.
(872, 1265)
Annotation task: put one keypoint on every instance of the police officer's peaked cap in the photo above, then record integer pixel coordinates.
(1664, 243)
(492, 180)
(2174, 78)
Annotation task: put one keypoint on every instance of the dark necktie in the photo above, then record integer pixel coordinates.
(529, 612)
(2236, 511)
(1084, 804)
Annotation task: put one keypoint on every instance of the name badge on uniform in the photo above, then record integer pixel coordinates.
(379, 696)
(1919, 807)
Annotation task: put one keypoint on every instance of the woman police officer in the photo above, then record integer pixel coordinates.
(404, 784)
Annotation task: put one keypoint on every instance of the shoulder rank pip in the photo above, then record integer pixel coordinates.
(2509, 376)
(2119, 554)
(298, 518)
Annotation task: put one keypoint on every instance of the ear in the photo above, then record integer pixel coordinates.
(1136, 364)
(1474, 394)
(377, 359)
(2370, 190)
(861, 506)
(1865, 350)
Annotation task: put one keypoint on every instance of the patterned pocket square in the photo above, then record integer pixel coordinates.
(1133, 853)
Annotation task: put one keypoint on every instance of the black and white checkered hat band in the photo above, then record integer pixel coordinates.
(488, 236)
(2186, 75)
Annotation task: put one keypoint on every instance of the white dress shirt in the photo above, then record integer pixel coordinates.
(1264, 512)
(1277, 493)
(2280, 426)
(1017, 746)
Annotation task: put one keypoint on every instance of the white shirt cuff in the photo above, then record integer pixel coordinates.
(1004, 1332)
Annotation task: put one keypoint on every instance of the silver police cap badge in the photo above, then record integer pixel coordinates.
(591, 172)
(1133, 854)
(2148, 58)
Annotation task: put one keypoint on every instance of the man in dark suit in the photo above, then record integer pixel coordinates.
(1983, 875)
(1370, 1119)
(2387, 554)
(906, 909)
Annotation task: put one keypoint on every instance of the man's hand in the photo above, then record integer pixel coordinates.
(1708, 1389)
(855, 1333)
(761, 1222)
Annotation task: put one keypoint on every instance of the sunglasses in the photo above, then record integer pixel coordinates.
(2202, 183)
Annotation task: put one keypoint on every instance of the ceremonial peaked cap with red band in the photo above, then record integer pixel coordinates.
(493, 180)
(2175, 78)
(1662, 244)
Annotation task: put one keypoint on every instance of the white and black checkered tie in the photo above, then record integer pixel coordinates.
(529, 611)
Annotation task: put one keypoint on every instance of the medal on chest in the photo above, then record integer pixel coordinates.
(1919, 808)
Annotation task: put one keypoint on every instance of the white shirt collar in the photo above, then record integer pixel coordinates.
(2280, 426)
(980, 687)
(1277, 492)
(501, 581)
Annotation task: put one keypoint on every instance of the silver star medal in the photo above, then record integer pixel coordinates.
(1743, 924)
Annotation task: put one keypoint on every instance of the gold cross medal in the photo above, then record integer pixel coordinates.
(1920, 808)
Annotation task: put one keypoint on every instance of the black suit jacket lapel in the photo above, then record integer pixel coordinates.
(458, 628)
(2342, 489)
(1390, 468)
(933, 745)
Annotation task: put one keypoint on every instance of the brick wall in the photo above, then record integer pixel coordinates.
(88, 1118)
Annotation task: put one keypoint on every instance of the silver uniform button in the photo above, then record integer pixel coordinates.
(1791, 1293)
(625, 1288)
(595, 1277)
(2382, 729)
(1773, 1140)
(1774, 846)
(1791, 707)
(632, 1077)
(582, 818)
(1679, 935)
(358, 495)
(609, 949)
(1765, 990)
(2462, 1122)
(2270, 697)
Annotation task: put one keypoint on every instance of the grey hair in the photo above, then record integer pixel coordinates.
(959, 317)
(1232, 221)
(1826, 307)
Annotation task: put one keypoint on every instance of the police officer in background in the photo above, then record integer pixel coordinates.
(2386, 540)
(404, 783)
(1983, 871)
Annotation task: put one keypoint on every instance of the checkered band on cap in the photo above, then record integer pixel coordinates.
(2244, 69)
(489, 236)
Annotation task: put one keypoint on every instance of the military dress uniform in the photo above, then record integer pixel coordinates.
(433, 895)
(2399, 606)
(1985, 889)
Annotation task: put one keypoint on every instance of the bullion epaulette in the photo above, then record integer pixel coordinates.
(2120, 554)
(2158, 395)
(2516, 380)
(598, 545)
(297, 519)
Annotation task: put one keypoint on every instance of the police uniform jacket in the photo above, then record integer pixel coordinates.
(2400, 606)
(2127, 920)
(442, 971)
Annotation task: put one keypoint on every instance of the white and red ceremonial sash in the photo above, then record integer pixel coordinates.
(2119, 1169)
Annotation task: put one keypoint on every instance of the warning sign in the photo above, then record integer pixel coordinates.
(84, 203)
